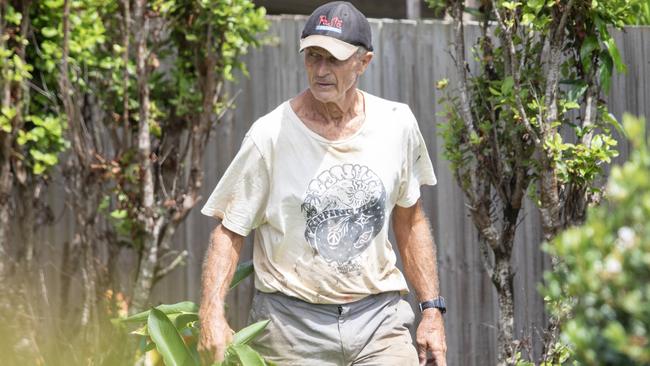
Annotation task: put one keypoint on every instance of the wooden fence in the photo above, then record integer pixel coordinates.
(409, 58)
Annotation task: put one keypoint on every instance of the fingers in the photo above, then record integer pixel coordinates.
(205, 354)
(422, 354)
(213, 350)
(212, 355)
(430, 336)
(440, 358)
(230, 334)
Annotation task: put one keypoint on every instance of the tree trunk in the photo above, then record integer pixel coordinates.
(503, 281)
(28, 225)
(148, 260)
(69, 263)
(146, 273)
(6, 179)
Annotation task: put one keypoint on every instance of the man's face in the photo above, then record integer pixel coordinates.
(330, 78)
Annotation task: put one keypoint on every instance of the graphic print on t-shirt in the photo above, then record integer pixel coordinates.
(344, 210)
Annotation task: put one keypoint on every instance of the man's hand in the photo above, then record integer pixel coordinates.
(218, 269)
(215, 336)
(430, 336)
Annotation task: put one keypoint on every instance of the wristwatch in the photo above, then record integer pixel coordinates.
(438, 303)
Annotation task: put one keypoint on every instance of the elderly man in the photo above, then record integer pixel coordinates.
(318, 178)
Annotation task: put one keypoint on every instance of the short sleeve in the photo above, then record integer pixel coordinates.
(417, 170)
(240, 197)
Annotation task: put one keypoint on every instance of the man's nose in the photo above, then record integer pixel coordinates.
(322, 68)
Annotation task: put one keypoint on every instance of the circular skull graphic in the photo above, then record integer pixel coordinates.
(344, 210)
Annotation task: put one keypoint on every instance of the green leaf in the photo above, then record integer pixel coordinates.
(148, 347)
(611, 45)
(13, 16)
(119, 214)
(243, 270)
(47, 158)
(248, 356)
(9, 112)
(571, 105)
(250, 332)
(54, 4)
(527, 19)
(183, 319)
(535, 5)
(589, 44)
(507, 85)
(605, 70)
(142, 331)
(39, 168)
(577, 91)
(511, 5)
(494, 92)
(614, 53)
(104, 203)
(169, 342)
(611, 119)
(5, 126)
(184, 307)
(49, 32)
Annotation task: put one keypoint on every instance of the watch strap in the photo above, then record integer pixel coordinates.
(437, 303)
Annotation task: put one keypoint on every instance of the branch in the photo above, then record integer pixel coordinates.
(202, 126)
(78, 136)
(565, 16)
(144, 135)
(591, 113)
(461, 66)
(125, 59)
(550, 96)
(515, 71)
(482, 217)
(486, 259)
(162, 272)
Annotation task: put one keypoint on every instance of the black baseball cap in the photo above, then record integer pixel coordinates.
(337, 27)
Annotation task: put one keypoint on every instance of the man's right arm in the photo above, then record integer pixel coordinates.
(218, 269)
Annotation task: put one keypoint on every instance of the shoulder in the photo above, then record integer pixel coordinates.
(398, 114)
(266, 129)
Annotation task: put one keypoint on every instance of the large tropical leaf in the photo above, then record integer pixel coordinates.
(248, 356)
(247, 334)
(184, 320)
(243, 270)
(168, 341)
(184, 307)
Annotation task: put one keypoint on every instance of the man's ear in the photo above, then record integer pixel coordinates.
(365, 61)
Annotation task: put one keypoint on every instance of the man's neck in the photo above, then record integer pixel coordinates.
(333, 121)
(337, 112)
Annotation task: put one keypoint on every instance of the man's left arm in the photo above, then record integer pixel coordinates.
(418, 252)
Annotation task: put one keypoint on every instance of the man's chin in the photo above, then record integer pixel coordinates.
(324, 96)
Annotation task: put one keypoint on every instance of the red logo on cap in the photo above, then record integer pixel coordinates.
(336, 22)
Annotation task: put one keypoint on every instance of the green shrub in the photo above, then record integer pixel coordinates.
(173, 331)
(603, 268)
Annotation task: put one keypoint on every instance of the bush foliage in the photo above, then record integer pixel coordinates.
(604, 267)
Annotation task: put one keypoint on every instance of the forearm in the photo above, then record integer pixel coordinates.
(218, 269)
(418, 251)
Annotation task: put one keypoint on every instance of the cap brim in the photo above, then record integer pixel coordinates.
(339, 49)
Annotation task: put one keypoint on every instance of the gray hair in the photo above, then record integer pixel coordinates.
(361, 51)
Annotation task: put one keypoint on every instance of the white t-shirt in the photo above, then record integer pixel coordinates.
(321, 208)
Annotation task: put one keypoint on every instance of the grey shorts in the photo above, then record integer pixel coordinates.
(371, 331)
